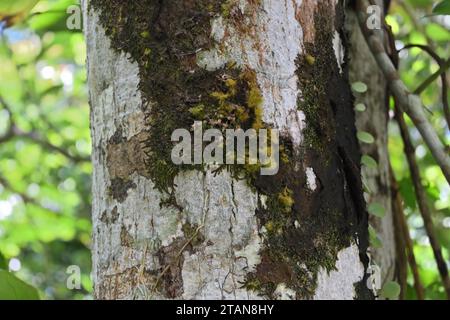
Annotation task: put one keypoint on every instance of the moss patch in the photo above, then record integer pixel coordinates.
(164, 38)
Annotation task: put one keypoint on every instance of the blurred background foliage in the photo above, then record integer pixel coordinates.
(413, 22)
(44, 164)
(45, 146)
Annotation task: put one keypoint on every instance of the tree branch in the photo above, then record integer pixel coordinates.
(15, 132)
(402, 227)
(416, 23)
(409, 103)
(9, 131)
(36, 138)
(442, 70)
(25, 198)
(422, 200)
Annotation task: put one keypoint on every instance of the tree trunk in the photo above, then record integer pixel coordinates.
(162, 231)
(374, 120)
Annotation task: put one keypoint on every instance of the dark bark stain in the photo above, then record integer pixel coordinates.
(126, 240)
(108, 219)
(172, 264)
(119, 188)
(125, 157)
(171, 260)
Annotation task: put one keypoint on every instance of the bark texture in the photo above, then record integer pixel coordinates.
(374, 120)
(163, 232)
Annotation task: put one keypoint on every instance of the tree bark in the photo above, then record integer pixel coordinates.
(374, 120)
(162, 231)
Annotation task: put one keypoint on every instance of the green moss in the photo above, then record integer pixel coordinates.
(198, 112)
(252, 284)
(254, 99)
(310, 59)
(227, 7)
(286, 200)
(164, 38)
(192, 233)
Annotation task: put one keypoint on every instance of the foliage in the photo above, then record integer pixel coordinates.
(44, 167)
(390, 290)
(12, 288)
(442, 7)
(416, 22)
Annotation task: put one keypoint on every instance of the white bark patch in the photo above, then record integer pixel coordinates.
(339, 50)
(263, 200)
(270, 48)
(226, 210)
(296, 123)
(311, 179)
(113, 82)
(339, 284)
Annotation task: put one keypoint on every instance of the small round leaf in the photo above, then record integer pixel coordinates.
(361, 107)
(377, 210)
(365, 137)
(359, 87)
(369, 162)
(390, 290)
(374, 239)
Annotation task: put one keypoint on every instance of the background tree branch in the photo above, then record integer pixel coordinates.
(408, 102)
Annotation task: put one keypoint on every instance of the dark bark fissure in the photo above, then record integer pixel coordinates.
(336, 213)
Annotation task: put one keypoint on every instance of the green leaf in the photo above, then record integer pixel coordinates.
(12, 288)
(407, 191)
(390, 290)
(437, 33)
(365, 137)
(366, 187)
(361, 107)
(375, 241)
(442, 7)
(369, 162)
(377, 210)
(359, 87)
